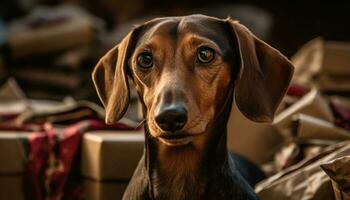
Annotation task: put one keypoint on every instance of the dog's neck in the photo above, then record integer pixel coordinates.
(185, 172)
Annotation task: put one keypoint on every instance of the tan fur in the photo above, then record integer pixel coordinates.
(200, 94)
(261, 77)
(180, 166)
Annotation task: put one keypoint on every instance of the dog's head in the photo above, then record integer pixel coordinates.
(184, 69)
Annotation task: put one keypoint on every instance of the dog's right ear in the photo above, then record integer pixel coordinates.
(110, 79)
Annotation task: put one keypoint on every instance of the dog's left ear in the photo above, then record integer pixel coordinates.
(110, 79)
(265, 75)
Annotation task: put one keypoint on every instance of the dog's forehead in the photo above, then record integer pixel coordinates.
(175, 27)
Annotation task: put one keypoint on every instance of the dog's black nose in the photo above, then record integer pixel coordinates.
(172, 118)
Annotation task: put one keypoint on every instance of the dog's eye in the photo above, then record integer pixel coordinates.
(145, 60)
(205, 55)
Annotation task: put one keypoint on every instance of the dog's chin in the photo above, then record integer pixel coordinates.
(176, 141)
(180, 138)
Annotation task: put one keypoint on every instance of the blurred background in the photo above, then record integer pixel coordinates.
(54, 143)
(51, 46)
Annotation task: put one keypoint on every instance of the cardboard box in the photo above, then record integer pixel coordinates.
(13, 156)
(312, 128)
(11, 188)
(48, 30)
(312, 104)
(256, 141)
(324, 64)
(111, 190)
(260, 141)
(13, 152)
(111, 155)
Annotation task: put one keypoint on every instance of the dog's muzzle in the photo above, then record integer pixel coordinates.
(171, 119)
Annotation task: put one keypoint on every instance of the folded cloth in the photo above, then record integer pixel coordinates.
(304, 180)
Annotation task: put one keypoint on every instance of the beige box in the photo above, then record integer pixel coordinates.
(111, 190)
(256, 141)
(111, 155)
(313, 104)
(260, 141)
(324, 64)
(312, 128)
(78, 30)
(13, 151)
(11, 188)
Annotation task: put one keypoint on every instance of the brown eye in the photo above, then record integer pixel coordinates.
(205, 55)
(145, 60)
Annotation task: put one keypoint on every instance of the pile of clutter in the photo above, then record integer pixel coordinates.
(306, 150)
(53, 146)
(63, 150)
(51, 51)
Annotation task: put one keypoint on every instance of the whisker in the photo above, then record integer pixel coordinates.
(140, 124)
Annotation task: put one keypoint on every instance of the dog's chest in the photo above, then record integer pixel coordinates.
(177, 186)
(177, 174)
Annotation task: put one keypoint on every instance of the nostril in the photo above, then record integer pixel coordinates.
(160, 120)
(180, 119)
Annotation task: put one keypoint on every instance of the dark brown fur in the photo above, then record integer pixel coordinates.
(201, 168)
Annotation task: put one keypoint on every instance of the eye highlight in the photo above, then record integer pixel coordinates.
(145, 60)
(205, 55)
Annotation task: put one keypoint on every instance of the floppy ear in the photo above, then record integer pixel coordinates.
(111, 82)
(264, 75)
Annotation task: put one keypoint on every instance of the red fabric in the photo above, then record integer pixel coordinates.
(342, 116)
(67, 144)
(63, 146)
(8, 116)
(297, 90)
(52, 152)
(37, 163)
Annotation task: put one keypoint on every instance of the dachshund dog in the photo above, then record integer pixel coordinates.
(187, 71)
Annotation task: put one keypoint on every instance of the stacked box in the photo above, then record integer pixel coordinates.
(13, 155)
(109, 159)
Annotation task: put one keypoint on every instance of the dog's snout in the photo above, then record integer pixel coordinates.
(172, 118)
